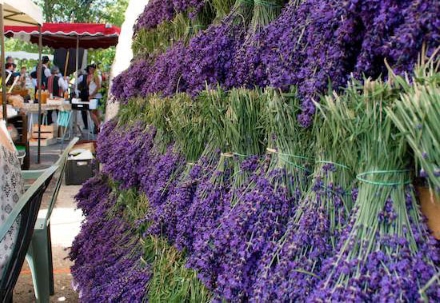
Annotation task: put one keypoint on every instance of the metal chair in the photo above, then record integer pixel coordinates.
(39, 255)
(26, 211)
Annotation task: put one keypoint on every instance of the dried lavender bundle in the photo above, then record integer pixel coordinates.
(289, 271)
(417, 116)
(385, 252)
(262, 203)
(107, 252)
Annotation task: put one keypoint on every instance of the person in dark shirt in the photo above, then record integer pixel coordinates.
(56, 85)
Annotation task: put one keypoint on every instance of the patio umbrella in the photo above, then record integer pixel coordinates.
(68, 35)
(14, 12)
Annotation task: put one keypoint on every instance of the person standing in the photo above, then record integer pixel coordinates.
(9, 59)
(89, 85)
(94, 85)
(11, 189)
(23, 77)
(9, 69)
(83, 93)
(45, 71)
(56, 85)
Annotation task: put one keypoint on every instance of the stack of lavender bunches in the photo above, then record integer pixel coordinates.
(385, 251)
(417, 115)
(309, 44)
(271, 211)
(107, 252)
(236, 172)
(290, 268)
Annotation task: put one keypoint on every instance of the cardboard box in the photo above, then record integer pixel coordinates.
(43, 142)
(43, 135)
(87, 145)
(45, 128)
(430, 206)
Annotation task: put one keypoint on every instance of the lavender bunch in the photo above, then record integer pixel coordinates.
(245, 231)
(261, 197)
(331, 56)
(165, 74)
(172, 281)
(289, 271)
(215, 204)
(210, 56)
(208, 205)
(385, 252)
(155, 12)
(211, 53)
(158, 180)
(130, 83)
(211, 198)
(395, 31)
(93, 190)
(246, 70)
(416, 116)
(106, 253)
(166, 218)
(282, 45)
(194, 124)
(135, 142)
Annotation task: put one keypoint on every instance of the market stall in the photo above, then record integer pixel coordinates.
(68, 35)
(17, 12)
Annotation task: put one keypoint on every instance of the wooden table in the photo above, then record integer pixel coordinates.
(32, 108)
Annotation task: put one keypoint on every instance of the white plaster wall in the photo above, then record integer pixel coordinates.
(124, 52)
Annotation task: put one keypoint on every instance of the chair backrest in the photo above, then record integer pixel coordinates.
(61, 162)
(31, 175)
(26, 211)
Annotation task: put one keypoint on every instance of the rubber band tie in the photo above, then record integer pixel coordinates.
(227, 155)
(274, 151)
(291, 163)
(361, 176)
(240, 155)
(334, 163)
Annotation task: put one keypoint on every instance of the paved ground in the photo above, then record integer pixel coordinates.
(65, 225)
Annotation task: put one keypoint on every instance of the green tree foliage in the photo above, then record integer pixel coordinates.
(96, 11)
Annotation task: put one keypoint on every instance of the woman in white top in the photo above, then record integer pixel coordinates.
(11, 189)
(94, 84)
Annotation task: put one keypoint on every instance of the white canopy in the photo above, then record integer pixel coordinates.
(20, 12)
(26, 55)
(17, 12)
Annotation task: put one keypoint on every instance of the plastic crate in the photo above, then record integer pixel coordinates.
(81, 106)
(78, 171)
